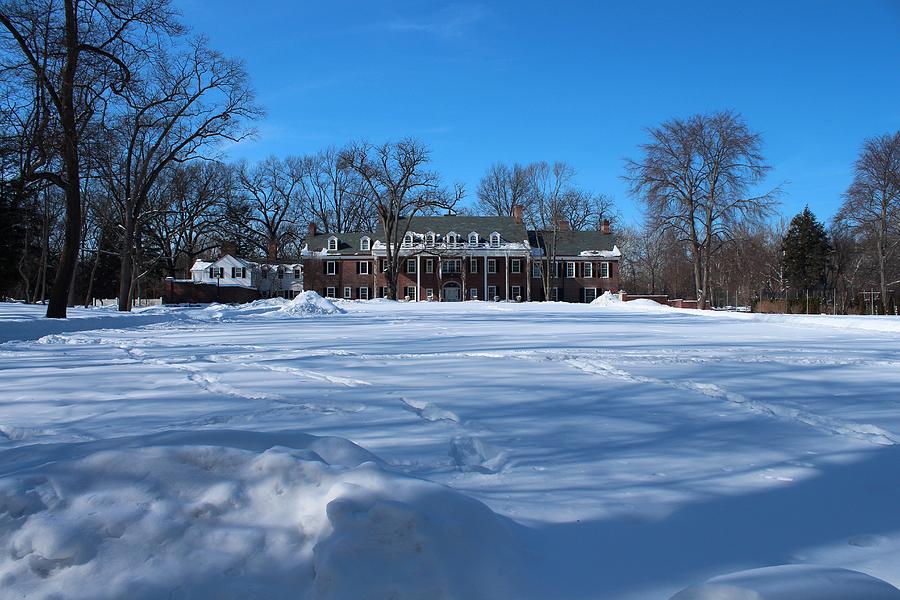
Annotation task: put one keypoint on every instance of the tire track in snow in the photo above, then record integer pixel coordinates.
(861, 431)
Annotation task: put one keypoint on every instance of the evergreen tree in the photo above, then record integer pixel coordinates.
(806, 251)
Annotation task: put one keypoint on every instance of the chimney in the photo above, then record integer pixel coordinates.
(227, 248)
(518, 213)
(564, 226)
(604, 227)
(311, 230)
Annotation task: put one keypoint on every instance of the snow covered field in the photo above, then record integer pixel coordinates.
(498, 450)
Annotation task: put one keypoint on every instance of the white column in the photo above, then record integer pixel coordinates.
(418, 276)
(506, 294)
(484, 268)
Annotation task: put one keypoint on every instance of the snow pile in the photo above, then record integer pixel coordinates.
(792, 582)
(228, 514)
(607, 299)
(308, 303)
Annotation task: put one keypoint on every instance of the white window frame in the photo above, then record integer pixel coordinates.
(588, 270)
(348, 293)
(516, 291)
(604, 270)
(473, 264)
(570, 269)
(495, 240)
(554, 294)
(492, 292)
(515, 265)
(407, 240)
(592, 298)
(445, 264)
(410, 291)
(297, 272)
(473, 293)
(429, 294)
(429, 265)
(363, 293)
(365, 244)
(330, 292)
(410, 265)
(429, 238)
(536, 268)
(384, 291)
(363, 267)
(452, 238)
(473, 239)
(331, 267)
(492, 266)
(332, 243)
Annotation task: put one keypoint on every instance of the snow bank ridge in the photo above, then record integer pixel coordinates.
(241, 514)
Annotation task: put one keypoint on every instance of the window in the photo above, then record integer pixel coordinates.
(451, 266)
(473, 239)
(516, 292)
(588, 270)
(492, 265)
(429, 265)
(429, 294)
(570, 269)
(554, 294)
(280, 273)
(408, 239)
(492, 292)
(516, 266)
(410, 265)
(604, 270)
(363, 293)
(536, 270)
(429, 238)
(238, 272)
(473, 265)
(410, 292)
(590, 294)
(332, 243)
(384, 291)
(348, 293)
(216, 272)
(495, 240)
(362, 267)
(331, 267)
(383, 265)
(365, 244)
(452, 238)
(556, 269)
(329, 292)
(296, 272)
(473, 294)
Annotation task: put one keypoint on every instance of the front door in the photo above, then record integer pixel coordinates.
(452, 293)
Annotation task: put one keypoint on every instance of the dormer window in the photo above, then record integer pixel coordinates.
(495, 240)
(473, 239)
(332, 243)
(408, 240)
(452, 238)
(429, 238)
(365, 244)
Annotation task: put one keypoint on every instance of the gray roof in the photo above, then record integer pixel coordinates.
(509, 230)
(348, 243)
(572, 243)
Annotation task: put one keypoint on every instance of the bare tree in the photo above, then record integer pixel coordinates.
(77, 51)
(398, 185)
(546, 213)
(272, 200)
(333, 197)
(179, 108)
(503, 188)
(694, 177)
(585, 210)
(872, 203)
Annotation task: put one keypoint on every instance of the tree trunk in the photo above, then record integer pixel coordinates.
(126, 270)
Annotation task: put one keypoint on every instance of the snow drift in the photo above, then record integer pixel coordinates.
(308, 303)
(792, 582)
(228, 514)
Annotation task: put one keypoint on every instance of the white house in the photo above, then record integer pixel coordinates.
(278, 279)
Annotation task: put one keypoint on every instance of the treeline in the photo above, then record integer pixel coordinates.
(114, 121)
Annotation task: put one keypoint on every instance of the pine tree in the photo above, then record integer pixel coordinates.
(806, 251)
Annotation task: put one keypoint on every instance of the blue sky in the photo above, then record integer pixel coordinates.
(574, 81)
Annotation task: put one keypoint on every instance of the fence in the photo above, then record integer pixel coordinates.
(137, 302)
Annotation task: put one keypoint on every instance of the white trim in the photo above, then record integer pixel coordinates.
(515, 266)
(363, 293)
(365, 244)
(332, 241)
(570, 268)
(604, 270)
(331, 267)
(348, 292)
(330, 292)
(495, 240)
(588, 270)
(363, 267)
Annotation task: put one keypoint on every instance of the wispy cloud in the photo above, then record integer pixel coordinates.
(449, 22)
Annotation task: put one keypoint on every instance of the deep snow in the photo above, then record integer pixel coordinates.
(576, 451)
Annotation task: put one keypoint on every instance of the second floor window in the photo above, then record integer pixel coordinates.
(451, 266)
(362, 268)
(429, 265)
(473, 265)
(410, 265)
(492, 265)
(515, 266)
(604, 270)
(331, 267)
(570, 270)
(588, 270)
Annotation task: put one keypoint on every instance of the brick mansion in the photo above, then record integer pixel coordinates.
(447, 258)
